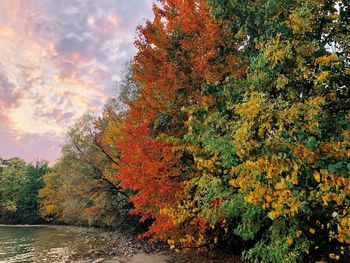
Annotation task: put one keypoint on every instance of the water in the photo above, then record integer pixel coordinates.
(51, 244)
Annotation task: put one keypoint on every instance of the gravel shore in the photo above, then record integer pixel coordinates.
(121, 247)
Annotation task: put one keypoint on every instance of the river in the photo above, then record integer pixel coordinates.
(55, 244)
(60, 244)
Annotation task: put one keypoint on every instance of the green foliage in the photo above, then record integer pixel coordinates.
(13, 179)
(276, 247)
(19, 191)
(271, 147)
(29, 203)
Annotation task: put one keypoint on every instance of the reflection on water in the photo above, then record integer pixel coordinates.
(48, 244)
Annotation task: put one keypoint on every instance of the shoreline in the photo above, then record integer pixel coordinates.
(26, 225)
(124, 247)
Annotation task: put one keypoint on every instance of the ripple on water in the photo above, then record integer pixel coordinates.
(47, 244)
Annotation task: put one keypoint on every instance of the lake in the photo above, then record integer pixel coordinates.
(53, 244)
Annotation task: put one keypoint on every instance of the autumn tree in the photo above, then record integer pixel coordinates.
(178, 52)
(273, 148)
(82, 188)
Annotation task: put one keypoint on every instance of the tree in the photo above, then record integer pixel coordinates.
(13, 179)
(257, 153)
(29, 204)
(176, 54)
(82, 188)
(19, 187)
(273, 154)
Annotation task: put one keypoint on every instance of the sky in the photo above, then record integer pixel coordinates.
(59, 59)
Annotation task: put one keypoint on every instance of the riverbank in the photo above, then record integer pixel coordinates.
(113, 246)
(130, 249)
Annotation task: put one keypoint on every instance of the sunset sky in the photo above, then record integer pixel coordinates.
(58, 59)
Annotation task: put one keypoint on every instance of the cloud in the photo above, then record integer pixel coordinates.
(59, 59)
(57, 115)
(46, 146)
(9, 96)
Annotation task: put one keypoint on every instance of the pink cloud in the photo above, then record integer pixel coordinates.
(59, 59)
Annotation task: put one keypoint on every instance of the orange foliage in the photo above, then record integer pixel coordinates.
(174, 57)
(148, 166)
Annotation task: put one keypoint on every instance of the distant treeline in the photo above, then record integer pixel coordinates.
(19, 191)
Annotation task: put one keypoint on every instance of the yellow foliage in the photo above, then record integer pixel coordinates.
(327, 59)
(294, 175)
(331, 197)
(290, 241)
(274, 214)
(317, 176)
(281, 82)
(322, 76)
(281, 185)
(277, 50)
(298, 233)
(298, 23)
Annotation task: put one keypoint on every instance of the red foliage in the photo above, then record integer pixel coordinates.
(173, 54)
(149, 167)
(174, 57)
